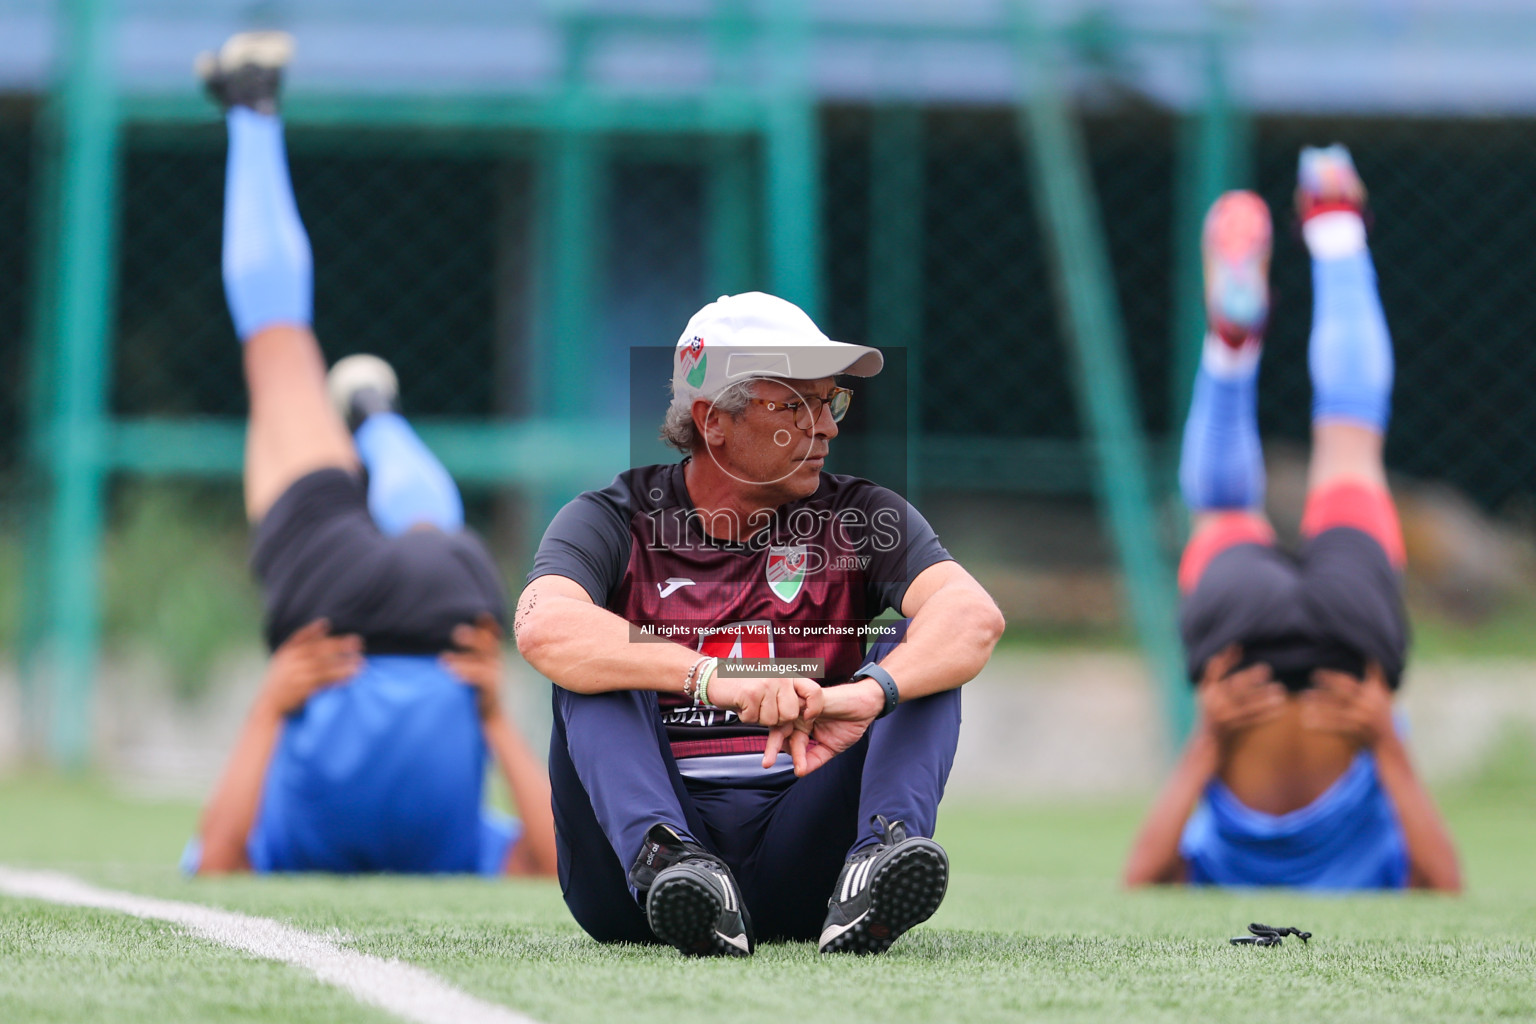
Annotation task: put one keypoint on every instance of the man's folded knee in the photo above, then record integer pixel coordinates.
(613, 704)
(945, 702)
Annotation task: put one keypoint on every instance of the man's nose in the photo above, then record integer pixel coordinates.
(825, 425)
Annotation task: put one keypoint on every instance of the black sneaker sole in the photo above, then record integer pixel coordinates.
(683, 912)
(904, 892)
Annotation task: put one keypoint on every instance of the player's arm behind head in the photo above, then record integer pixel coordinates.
(309, 660)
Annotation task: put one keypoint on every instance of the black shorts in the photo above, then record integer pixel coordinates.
(318, 554)
(1335, 604)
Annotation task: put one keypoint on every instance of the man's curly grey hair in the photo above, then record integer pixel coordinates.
(678, 430)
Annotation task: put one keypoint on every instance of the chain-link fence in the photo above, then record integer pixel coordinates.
(406, 259)
(421, 255)
(15, 270)
(427, 251)
(1450, 238)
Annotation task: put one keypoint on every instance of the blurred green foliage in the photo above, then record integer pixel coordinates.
(175, 579)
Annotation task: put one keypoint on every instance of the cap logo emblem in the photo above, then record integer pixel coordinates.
(693, 361)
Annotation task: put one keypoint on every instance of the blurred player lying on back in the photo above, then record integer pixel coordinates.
(366, 750)
(1295, 774)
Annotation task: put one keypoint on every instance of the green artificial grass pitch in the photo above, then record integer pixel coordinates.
(1035, 927)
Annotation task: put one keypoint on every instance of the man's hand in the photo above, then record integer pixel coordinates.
(477, 659)
(309, 660)
(1358, 709)
(1231, 702)
(847, 711)
(766, 700)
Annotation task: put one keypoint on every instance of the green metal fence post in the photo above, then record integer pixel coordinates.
(1210, 161)
(573, 201)
(571, 191)
(895, 289)
(1090, 314)
(794, 166)
(85, 252)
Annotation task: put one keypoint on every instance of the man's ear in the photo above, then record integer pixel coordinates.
(709, 421)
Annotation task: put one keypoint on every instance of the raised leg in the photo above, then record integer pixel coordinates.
(293, 430)
(1349, 357)
(268, 280)
(1221, 466)
(408, 488)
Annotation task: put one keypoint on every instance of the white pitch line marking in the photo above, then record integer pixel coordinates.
(390, 985)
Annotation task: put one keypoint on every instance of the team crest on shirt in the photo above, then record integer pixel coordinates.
(694, 361)
(786, 571)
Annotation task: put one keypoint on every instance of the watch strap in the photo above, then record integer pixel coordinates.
(871, 670)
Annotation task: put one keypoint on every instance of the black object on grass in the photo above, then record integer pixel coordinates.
(1268, 935)
(1264, 929)
(1257, 940)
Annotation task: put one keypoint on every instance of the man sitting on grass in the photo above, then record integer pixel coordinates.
(701, 798)
(366, 749)
(1295, 774)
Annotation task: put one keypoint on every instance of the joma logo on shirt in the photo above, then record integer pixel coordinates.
(673, 585)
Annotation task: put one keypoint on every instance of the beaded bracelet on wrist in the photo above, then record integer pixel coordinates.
(702, 700)
(688, 681)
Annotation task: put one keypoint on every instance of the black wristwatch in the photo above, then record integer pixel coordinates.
(873, 671)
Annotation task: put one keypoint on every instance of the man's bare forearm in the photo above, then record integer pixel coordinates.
(588, 649)
(1431, 854)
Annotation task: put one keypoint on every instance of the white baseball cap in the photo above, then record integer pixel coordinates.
(740, 337)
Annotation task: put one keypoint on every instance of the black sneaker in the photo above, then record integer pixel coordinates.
(690, 899)
(247, 71)
(360, 386)
(883, 891)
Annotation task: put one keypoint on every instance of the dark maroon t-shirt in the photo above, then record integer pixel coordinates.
(806, 586)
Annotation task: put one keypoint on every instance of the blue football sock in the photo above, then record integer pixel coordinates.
(268, 269)
(407, 486)
(1350, 352)
(1221, 465)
